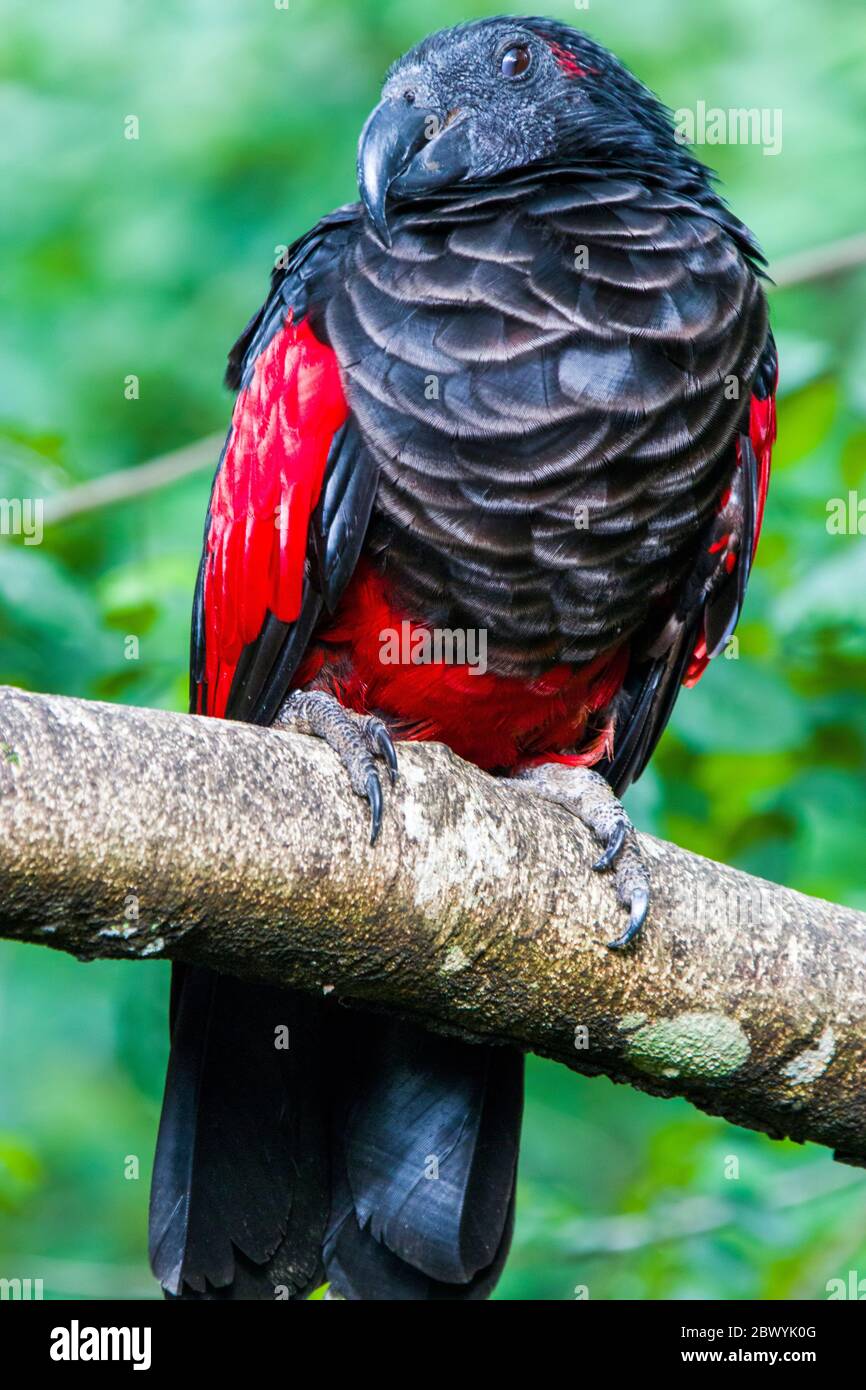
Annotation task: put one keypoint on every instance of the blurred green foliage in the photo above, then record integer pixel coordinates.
(146, 257)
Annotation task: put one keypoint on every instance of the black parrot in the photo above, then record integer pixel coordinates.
(524, 389)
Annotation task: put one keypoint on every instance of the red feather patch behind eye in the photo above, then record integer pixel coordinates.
(567, 61)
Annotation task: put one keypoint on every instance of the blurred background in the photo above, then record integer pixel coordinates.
(129, 267)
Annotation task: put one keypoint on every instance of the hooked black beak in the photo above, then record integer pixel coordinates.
(394, 133)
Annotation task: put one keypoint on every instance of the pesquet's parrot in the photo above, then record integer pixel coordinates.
(523, 388)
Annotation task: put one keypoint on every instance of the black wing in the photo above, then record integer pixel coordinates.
(710, 602)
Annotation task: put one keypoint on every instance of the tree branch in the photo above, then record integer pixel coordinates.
(476, 913)
(128, 483)
(820, 263)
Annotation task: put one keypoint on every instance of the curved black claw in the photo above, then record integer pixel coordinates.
(385, 746)
(613, 847)
(373, 793)
(637, 917)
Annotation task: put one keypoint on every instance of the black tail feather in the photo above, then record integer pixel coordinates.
(423, 1133)
(240, 1181)
(425, 1158)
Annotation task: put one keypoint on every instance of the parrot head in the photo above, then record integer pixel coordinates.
(494, 97)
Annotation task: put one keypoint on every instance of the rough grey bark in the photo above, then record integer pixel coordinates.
(140, 834)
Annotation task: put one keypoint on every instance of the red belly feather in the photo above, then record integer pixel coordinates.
(493, 720)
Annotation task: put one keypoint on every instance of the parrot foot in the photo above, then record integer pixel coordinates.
(357, 739)
(590, 798)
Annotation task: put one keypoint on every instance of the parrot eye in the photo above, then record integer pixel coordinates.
(515, 60)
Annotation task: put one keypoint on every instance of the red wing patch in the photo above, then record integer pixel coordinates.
(762, 429)
(762, 432)
(265, 492)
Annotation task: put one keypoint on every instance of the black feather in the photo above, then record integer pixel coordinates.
(240, 1171)
(340, 521)
(426, 1142)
